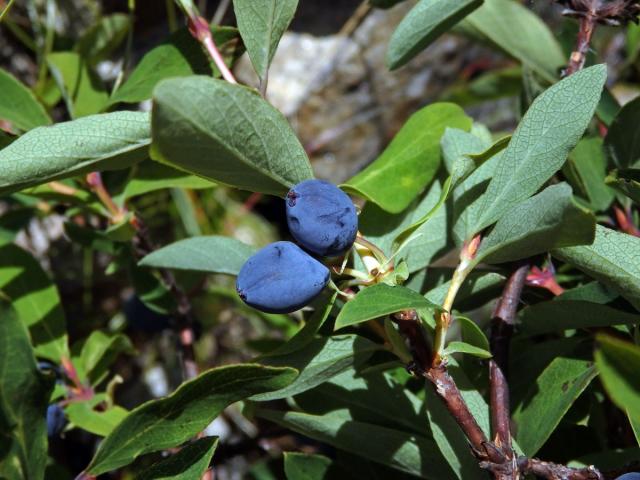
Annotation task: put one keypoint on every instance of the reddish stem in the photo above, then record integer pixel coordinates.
(200, 30)
(585, 32)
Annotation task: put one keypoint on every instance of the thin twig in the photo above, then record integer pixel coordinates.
(444, 317)
(579, 54)
(554, 471)
(501, 331)
(443, 383)
(504, 316)
(200, 30)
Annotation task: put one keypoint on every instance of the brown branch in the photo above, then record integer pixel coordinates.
(579, 54)
(489, 455)
(444, 385)
(504, 317)
(501, 332)
(554, 471)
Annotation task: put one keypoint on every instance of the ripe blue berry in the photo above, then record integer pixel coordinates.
(629, 476)
(281, 278)
(55, 420)
(321, 217)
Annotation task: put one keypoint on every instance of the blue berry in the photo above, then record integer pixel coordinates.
(281, 278)
(629, 476)
(55, 420)
(321, 217)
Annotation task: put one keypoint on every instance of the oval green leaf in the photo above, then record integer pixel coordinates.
(226, 133)
(411, 160)
(171, 421)
(19, 106)
(99, 142)
(422, 25)
(211, 254)
(261, 24)
(380, 300)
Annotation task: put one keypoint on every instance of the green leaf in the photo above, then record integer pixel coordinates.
(209, 127)
(635, 426)
(622, 142)
(319, 361)
(99, 41)
(211, 254)
(466, 204)
(378, 301)
(520, 33)
(98, 421)
(406, 452)
(587, 167)
(24, 395)
(306, 466)
(430, 224)
(462, 347)
(530, 359)
(100, 350)
(149, 176)
(490, 85)
(543, 222)
(476, 283)
(549, 399)
(626, 181)
(180, 56)
(170, 421)
(36, 301)
(472, 334)
(261, 24)
(189, 463)
(411, 160)
(323, 306)
(495, 148)
(609, 459)
(19, 106)
(394, 406)
(457, 148)
(559, 315)
(425, 22)
(421, 228)
(99, 142)
(618, 362)
(593, 292)
(549, 130)
(613, 259)
(83, 87)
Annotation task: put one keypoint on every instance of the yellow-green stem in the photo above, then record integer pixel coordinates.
(444, 317)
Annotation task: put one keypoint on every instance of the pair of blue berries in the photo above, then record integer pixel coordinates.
(282, 277)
